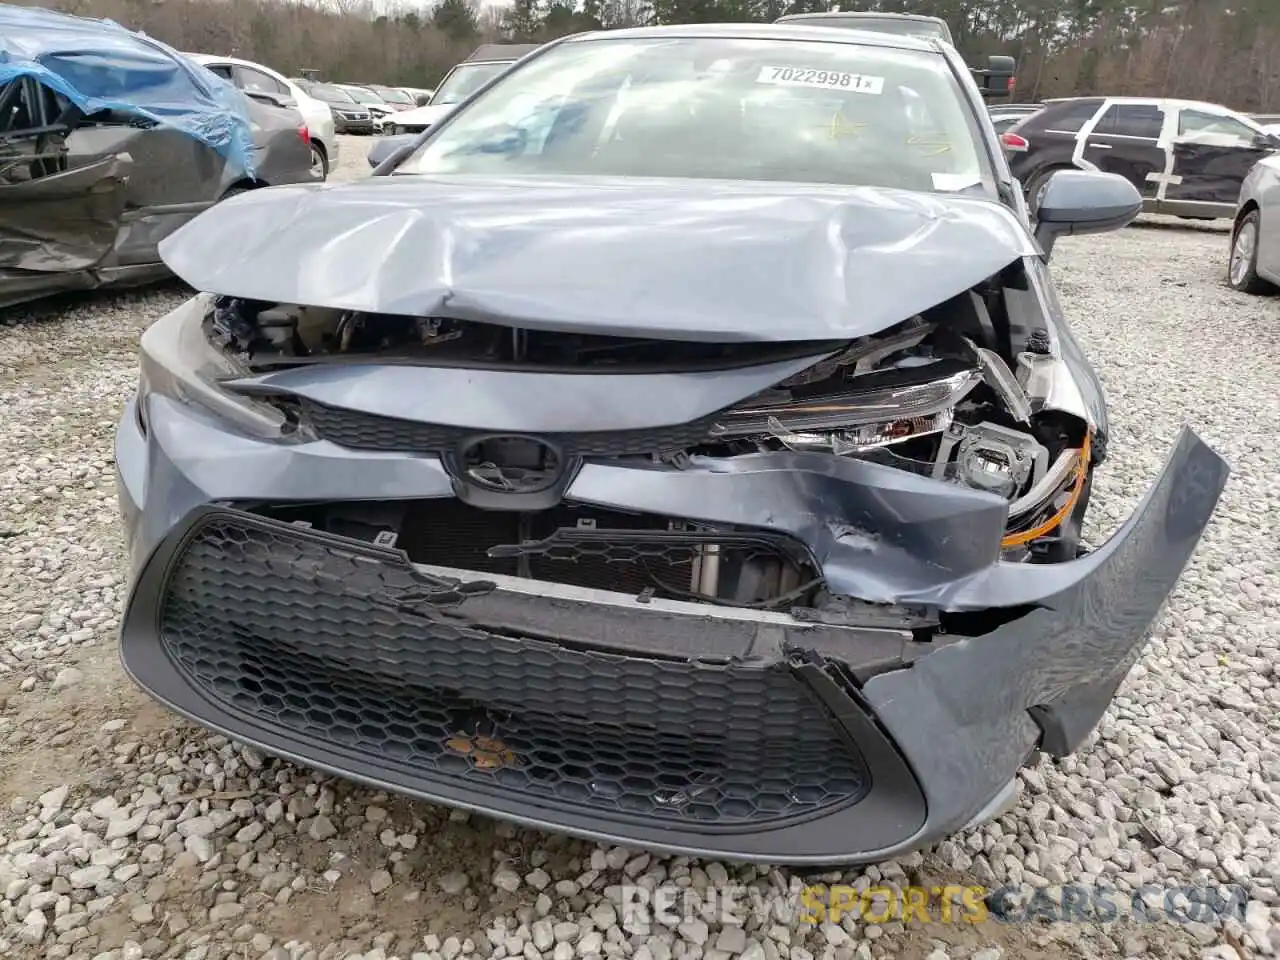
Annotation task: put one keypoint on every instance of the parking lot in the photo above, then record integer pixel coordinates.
(155, 839)
(352, 157)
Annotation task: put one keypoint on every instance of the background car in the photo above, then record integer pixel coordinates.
(1187, 158)
(88, 191)
(349, 116)
(397, 98)
(485, 62)
(421, 95)
(1254, 262)
(254, 78)
(378, 108)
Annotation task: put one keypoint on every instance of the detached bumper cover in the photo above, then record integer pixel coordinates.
(669, 725)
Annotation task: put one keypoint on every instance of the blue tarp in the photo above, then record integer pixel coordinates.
(99, 65)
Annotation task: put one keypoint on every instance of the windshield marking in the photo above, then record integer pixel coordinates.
(821, 79)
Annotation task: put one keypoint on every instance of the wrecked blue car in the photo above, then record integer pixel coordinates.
(109, 141)
(691, 453)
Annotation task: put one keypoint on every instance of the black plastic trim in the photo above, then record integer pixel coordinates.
(890, 813)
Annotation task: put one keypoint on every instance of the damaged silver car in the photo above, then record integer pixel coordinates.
(110, 141)
(690, 453)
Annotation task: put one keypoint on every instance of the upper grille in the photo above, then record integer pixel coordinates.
(311, 634)
(364, 431)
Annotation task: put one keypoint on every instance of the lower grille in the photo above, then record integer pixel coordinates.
(303, 632)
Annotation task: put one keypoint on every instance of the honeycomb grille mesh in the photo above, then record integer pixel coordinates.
(364, 431)
(292, 630)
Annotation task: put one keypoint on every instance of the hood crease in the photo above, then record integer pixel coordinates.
(681, 260)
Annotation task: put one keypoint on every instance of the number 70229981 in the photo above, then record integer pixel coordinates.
(822, 79)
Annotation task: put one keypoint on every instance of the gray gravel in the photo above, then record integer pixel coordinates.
(128, 834)
(353, 154)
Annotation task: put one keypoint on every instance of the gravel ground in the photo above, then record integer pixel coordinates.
(126, 833)
(353, 153)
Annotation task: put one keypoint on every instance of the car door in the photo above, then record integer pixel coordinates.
(1125, 139)
(1213, 151)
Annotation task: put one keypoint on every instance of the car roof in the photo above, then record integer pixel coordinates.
(789, 30)
(1163, 101)
(215, 58)
(847, 18)
(852, 14)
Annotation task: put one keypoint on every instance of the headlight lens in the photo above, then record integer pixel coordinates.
(178, 362)
(859, 419)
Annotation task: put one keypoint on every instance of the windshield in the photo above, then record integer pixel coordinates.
(362, 95)
(329, 93)
(394, 96)
(787, 110)
(465, 79)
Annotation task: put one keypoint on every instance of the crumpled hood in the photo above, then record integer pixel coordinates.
(690, 260)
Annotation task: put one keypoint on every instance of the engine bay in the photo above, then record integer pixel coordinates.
(955, 394)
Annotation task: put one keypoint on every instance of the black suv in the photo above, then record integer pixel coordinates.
(1186, 158)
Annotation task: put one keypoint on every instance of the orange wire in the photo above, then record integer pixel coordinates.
(1082, 471)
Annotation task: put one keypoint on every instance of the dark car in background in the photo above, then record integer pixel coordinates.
(103, 157)
(654, 469)
(349, 116)
(1187, 158)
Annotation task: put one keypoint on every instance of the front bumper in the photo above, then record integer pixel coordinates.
(677, 726)
(343, 125)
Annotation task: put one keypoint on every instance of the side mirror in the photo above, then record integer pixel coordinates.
(386, 147)
(1084, 201)
(1267, 141)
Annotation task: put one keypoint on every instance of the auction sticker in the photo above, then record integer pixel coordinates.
(822, 79)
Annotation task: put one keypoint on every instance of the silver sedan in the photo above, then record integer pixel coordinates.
(1254, 264)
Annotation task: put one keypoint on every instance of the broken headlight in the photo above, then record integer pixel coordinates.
(178, 361)
(861, 418)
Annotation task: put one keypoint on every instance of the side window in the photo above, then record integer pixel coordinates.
(1197, 125)
(259, 82)
(1071, 118)
(221, 69)
(1142, 120)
